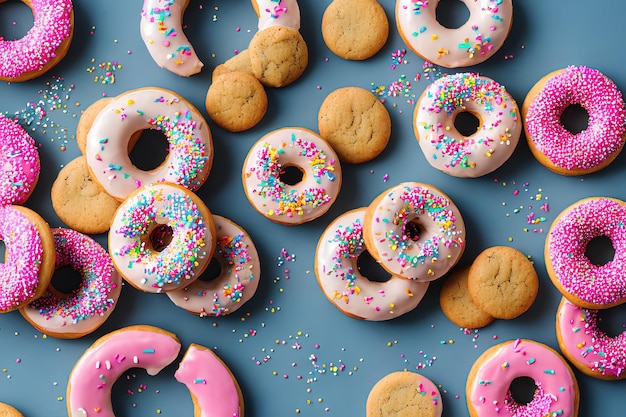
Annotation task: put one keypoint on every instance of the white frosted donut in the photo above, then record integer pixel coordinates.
(338, 251)
(107, 142)
(276, 199)
(162, 238)
(238, 278)
(414, 230)
(162, 30)
(444, 147)
(475, 41)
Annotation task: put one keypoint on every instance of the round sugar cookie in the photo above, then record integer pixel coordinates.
(456, 303)
(403, 394)
(7, 411)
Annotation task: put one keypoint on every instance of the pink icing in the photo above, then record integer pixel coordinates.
(599, 96)
(93, 376)
(555, 395)
(19, 274)
(567, 241)
(210, 382)
(86, 309)
(52, 25)
(586, 345)
(19, 163)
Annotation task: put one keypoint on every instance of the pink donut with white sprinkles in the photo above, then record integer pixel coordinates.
(20, 163)
(45, 44)
(552, 143)
(583, 283)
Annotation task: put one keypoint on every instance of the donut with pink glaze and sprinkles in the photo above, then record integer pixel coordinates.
(552, 144)
(74, 315)
(301, 198)
(20, 163)
(586, 346)
(45, 44)
(582, 282)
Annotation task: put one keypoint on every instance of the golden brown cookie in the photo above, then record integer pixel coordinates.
(278, 55)
(355, 123)
(503, 282)
(7, 411)
(240, 62)
(457, 304)
(355, 29)
(79, 201)
(404, 394)
(86, 119)
(236, 101)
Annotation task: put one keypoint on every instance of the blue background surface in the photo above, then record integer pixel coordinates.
(289, 348)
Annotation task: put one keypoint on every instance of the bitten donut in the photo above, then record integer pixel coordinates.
(109, 140)
(404, 393)
(580, 281)
(28, 259)
(488, 383)
(45, 44)
(338, 251)
(475, 41)
(586, 346)
(19, 163)
(414, 231)
(482, 152)
(70, 316)
(105, 361)
(238, 278)
(294, 200)
(556, 147)
(162, 238)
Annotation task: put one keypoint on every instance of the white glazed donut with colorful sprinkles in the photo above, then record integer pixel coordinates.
(275, 198)
(162, 30)
(415, 231)
(19, 163)
(475, 41)
(236, 282)
(582, 282)
(556, 147)
(190, 155)
(338, 251)
(45, 44)
(162, 238)
(586, 346)
(74, 315)
(444, 147)
(488, 383)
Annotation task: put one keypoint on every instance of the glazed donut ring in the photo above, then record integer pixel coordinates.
(480, 153)
(415, 231)
(45, 44)
(477, 40)
(19, 161)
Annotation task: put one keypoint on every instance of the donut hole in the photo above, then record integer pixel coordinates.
(212, 271)
(16, 19)
(466, 123)
(291, 174)
(600, 250)
(522, 390)
(369, 268)
(3, 251)
(452, 14)
(612, 321)
(66, 280)
(160, 237)
(575, 118)
(148, 149)
(413, 230)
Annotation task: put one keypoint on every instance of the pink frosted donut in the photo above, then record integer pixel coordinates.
(338, 250)
(74, 315)
(591, 350)
(444, 147)
(552, 144)
(475, 41)
(29, 257)
(489, 380)
(238, 278)
(19, 160)
(45, 44)
(583, 283)
(308, 198)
